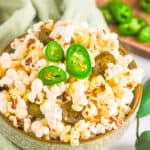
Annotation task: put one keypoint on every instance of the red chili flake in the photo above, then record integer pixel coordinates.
(33, 65)
(72, 40)
(33, 47)
(102, 87)
(129, 85)
(118, 122)
(28, 61)
(30, 42)
(14, 103)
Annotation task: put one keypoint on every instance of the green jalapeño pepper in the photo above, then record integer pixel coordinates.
(102, 60)
(51, 75)
(54, 51)
(145, 4)
(142, 22)
(78, 61)
(121, 12)
(34, 110)
(69, 115)
(144, 35)
(129, 29)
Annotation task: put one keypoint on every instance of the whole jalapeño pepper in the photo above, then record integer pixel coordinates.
(145, 4)
(129, 29)
(121, 11)
(144, 34)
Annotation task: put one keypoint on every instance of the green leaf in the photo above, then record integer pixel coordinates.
(144, 108)
(143, 142)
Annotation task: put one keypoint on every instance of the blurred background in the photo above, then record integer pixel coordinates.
(139, 49)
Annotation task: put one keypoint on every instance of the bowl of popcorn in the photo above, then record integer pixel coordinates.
(65, 86)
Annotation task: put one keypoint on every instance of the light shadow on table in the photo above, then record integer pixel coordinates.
(122, 147)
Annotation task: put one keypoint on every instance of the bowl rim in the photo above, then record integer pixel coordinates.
(136, 102)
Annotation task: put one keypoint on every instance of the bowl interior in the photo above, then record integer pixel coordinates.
(134, 106)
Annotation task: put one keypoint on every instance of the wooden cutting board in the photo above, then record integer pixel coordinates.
(131, 42)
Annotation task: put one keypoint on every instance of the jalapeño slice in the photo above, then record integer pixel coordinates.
(102, 60)
(69, 115)
(54, 51)
(34, 110)
(78, 61)
(51, 75)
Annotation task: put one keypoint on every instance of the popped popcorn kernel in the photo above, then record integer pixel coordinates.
(75, 109)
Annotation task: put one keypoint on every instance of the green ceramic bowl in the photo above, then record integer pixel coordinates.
(101, 142)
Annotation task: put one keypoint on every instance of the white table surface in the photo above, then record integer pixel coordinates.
(128, 140)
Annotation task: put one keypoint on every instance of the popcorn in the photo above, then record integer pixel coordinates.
(23, 76)
(16, 42)
(20, 87)
(10, 109)
(107, 125)
(100, 129)
(27, 124)
(6, 81)
(14, 120)
(75, 135)
(21, 113)
(52, 112)
(59, 129)
(38, 26)
(114, 72)
(82, 125)
(136, 75)
(101, 101)
(85, 134)
(96, 81)
(5, 61)
(127, 96)
(20, 110)
(58, 89)
(39, 129)
(64, 31)
(77, 107)
(93, 55)
(90, 111)
(78, 96)
(31, 97)
(113, 109)
(33, 75)
(36, 86)
(10, 77)
(124, 108)
(39, 98)
(3, 102)
(41, 63)
(54, 134)
(12, 74)
(20, 50)
(125, 61)
(64, 136)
